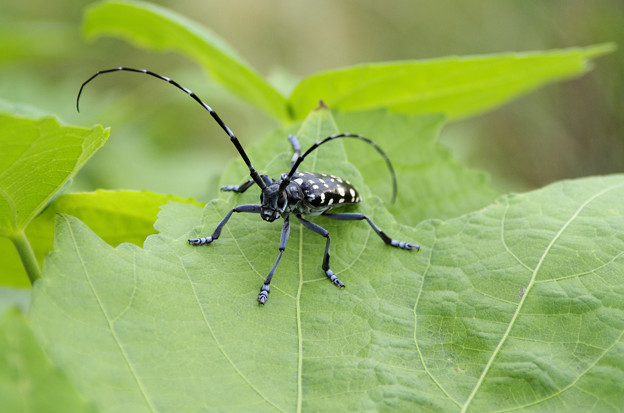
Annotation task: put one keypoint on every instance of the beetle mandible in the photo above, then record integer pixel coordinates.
(294, 193)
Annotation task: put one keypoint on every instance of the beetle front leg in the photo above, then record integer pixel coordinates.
(266, 288)
(255, 209)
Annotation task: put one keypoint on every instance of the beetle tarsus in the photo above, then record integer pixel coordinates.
(200, 241)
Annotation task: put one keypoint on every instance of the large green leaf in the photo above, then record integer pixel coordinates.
(116, 216)
(28, 381)
(157, 28)
(455, 86)
(518, 305)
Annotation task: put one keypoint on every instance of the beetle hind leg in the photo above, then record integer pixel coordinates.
(322, 231)
(354, 216)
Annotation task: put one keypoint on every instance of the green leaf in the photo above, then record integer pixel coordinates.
(518, 305)
(456, 86)
(431, 184)
(28, 380)
(116, 216)
(39, 156)
(156, 28)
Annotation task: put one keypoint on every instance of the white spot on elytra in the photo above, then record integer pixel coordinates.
(331, 201)
(352, 192)
(315, 187)
(341, 191)
(341, 200)
(299, 181)
(322, 197)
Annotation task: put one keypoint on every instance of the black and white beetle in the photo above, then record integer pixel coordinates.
(295, 193)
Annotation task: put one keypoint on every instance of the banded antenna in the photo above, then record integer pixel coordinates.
(300, 159)
(252, 172)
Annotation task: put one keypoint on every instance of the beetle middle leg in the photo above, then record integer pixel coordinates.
(322, 231)
(244, 186)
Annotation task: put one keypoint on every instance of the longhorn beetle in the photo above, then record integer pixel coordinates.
(294, 193)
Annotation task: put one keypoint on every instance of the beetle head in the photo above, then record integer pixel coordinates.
(272, 202)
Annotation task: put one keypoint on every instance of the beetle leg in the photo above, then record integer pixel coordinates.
(296, 148)
(243, 187)
(266, 288)
(322, 231)
(255, 209)
(354, 216)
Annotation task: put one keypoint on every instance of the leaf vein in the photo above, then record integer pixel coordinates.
(516, 314)
(219, 345)
(420, 354)
(109, 321)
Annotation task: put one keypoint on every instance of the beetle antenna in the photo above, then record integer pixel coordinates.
(300, 159)
(252, 172)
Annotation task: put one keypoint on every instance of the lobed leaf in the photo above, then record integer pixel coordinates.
(157, 28)
(456, 86)
(29, 382)
(518, 305)
(116, 216)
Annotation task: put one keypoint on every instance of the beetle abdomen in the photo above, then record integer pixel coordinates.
(323, 190)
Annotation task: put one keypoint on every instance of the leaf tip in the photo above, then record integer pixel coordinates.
(321, 105)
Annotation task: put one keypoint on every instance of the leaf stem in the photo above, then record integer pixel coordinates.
(27, 255)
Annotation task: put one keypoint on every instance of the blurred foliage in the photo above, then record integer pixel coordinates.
(566, 130)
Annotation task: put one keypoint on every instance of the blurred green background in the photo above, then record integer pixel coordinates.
(162, 142)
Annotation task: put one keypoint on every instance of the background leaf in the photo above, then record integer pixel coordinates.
(157, 28)
(455, 86)
(518, 305)
(28, 380)
(116, 216)
(39, 157)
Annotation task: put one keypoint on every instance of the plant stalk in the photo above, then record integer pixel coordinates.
(27, 256)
